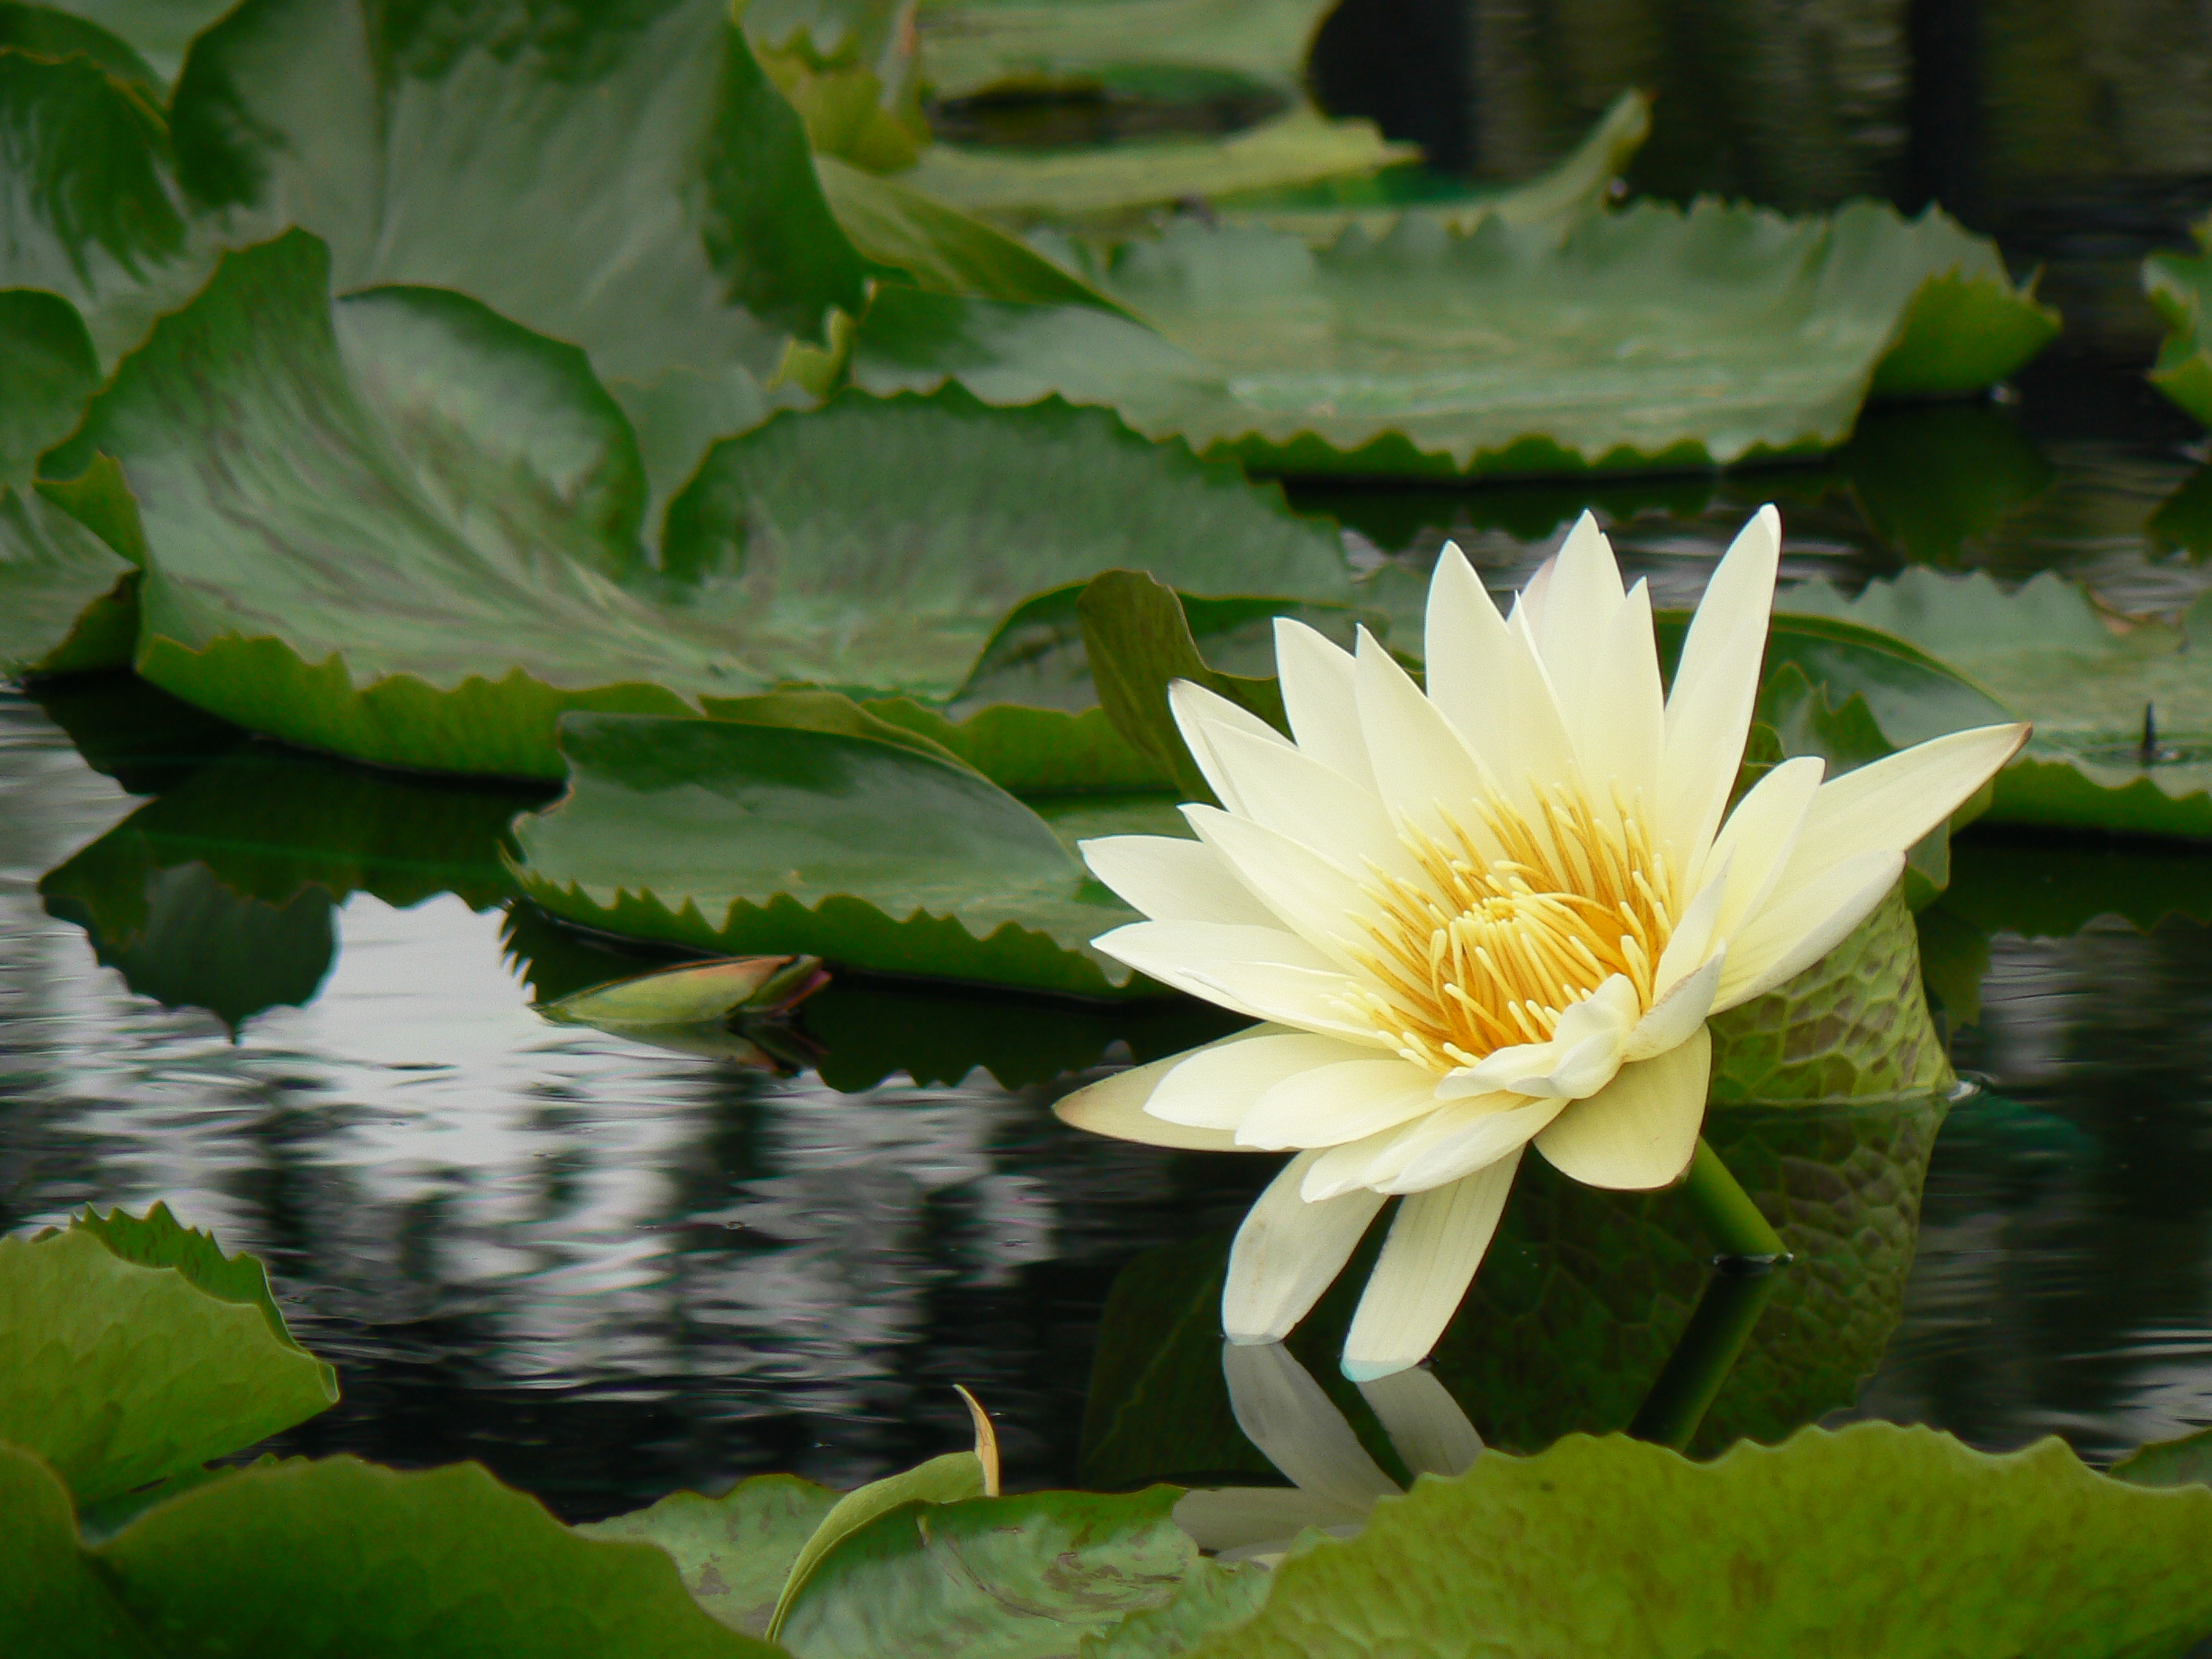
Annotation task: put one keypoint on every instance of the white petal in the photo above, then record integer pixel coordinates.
(1339, 1169)
(1172, 879)
(1315, 675)
(1469, 661)
(1756, 842)
(1215, 1087)
(1426, 1425)
(1264, 972)
(1296, 794)
(1114, 1106)
(1424, 769)
(1579, 600)
(1296, 887)
(1283, 1412)
(1331, 1104)
(1717, 683)
(1436, 1241)
(1445, 1149)
(1802, 923)
(1581, 1057)
(1619, 729)
(1674, 1015)
(1529, 603)
(1640, 1132)
(1286, 1253)
(1200, 714)
(1890, 804)
(1222, 1518)
(1543, 754)
(1693, 939)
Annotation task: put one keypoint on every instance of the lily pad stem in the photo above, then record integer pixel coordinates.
(1737, 1227)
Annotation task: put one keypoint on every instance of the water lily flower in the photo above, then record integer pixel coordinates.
(1498, 911)
(1334, 1482)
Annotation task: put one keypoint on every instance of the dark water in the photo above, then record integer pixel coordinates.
(291, 998)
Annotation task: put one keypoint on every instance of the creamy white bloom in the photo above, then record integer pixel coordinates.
(1497, 912)
(1334, 1482)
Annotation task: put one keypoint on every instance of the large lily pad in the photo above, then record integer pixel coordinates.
(1612, 1546)
(640, 191)
(2087, 680)
(342, 1558)
(89, 210)
(734, 1551)
(136, 1351)
(49, 1593)
(1655, 337)
(747, 840)
(1024, 1577)
(435, 548)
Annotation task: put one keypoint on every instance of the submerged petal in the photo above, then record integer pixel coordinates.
(1226, 1518)
(1436, 1241)
(1640, 1132)
(1426, 1425)
(1286, 1253)
(1283, 1412)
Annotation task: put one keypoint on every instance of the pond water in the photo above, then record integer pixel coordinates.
(292, 997)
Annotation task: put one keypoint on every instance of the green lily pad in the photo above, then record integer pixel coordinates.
(1022, 188)
(1614, 1547)
(941, 1481)
(1212, 1598)
(49, 1593)
(1024, 1577)
(941, 248)
(2177, 284)
(2047, 654)
(93, 215)
(342, 1558)
(52, 33)
(924, 538)
(748, 840)
(849, 68)
(1655, 338)
(974, 46)
(137, 1350)
(441, 547)
(734, 1551)
(531, 148)
(2185, 1461)
(158, 31)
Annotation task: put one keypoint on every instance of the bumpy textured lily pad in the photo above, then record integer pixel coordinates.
(342, 1558)
(136, 1351)
(436, 546)
(1655, 338)
(1024, 1577)
(734, 1551)
(2087, 682)
(2177, 284)
(750, 840)
(1614, 1547)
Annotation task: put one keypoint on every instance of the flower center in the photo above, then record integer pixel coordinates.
(1511, 925)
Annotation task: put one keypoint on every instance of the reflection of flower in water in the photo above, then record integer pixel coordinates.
(1283, 1412)
(1495, 910)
